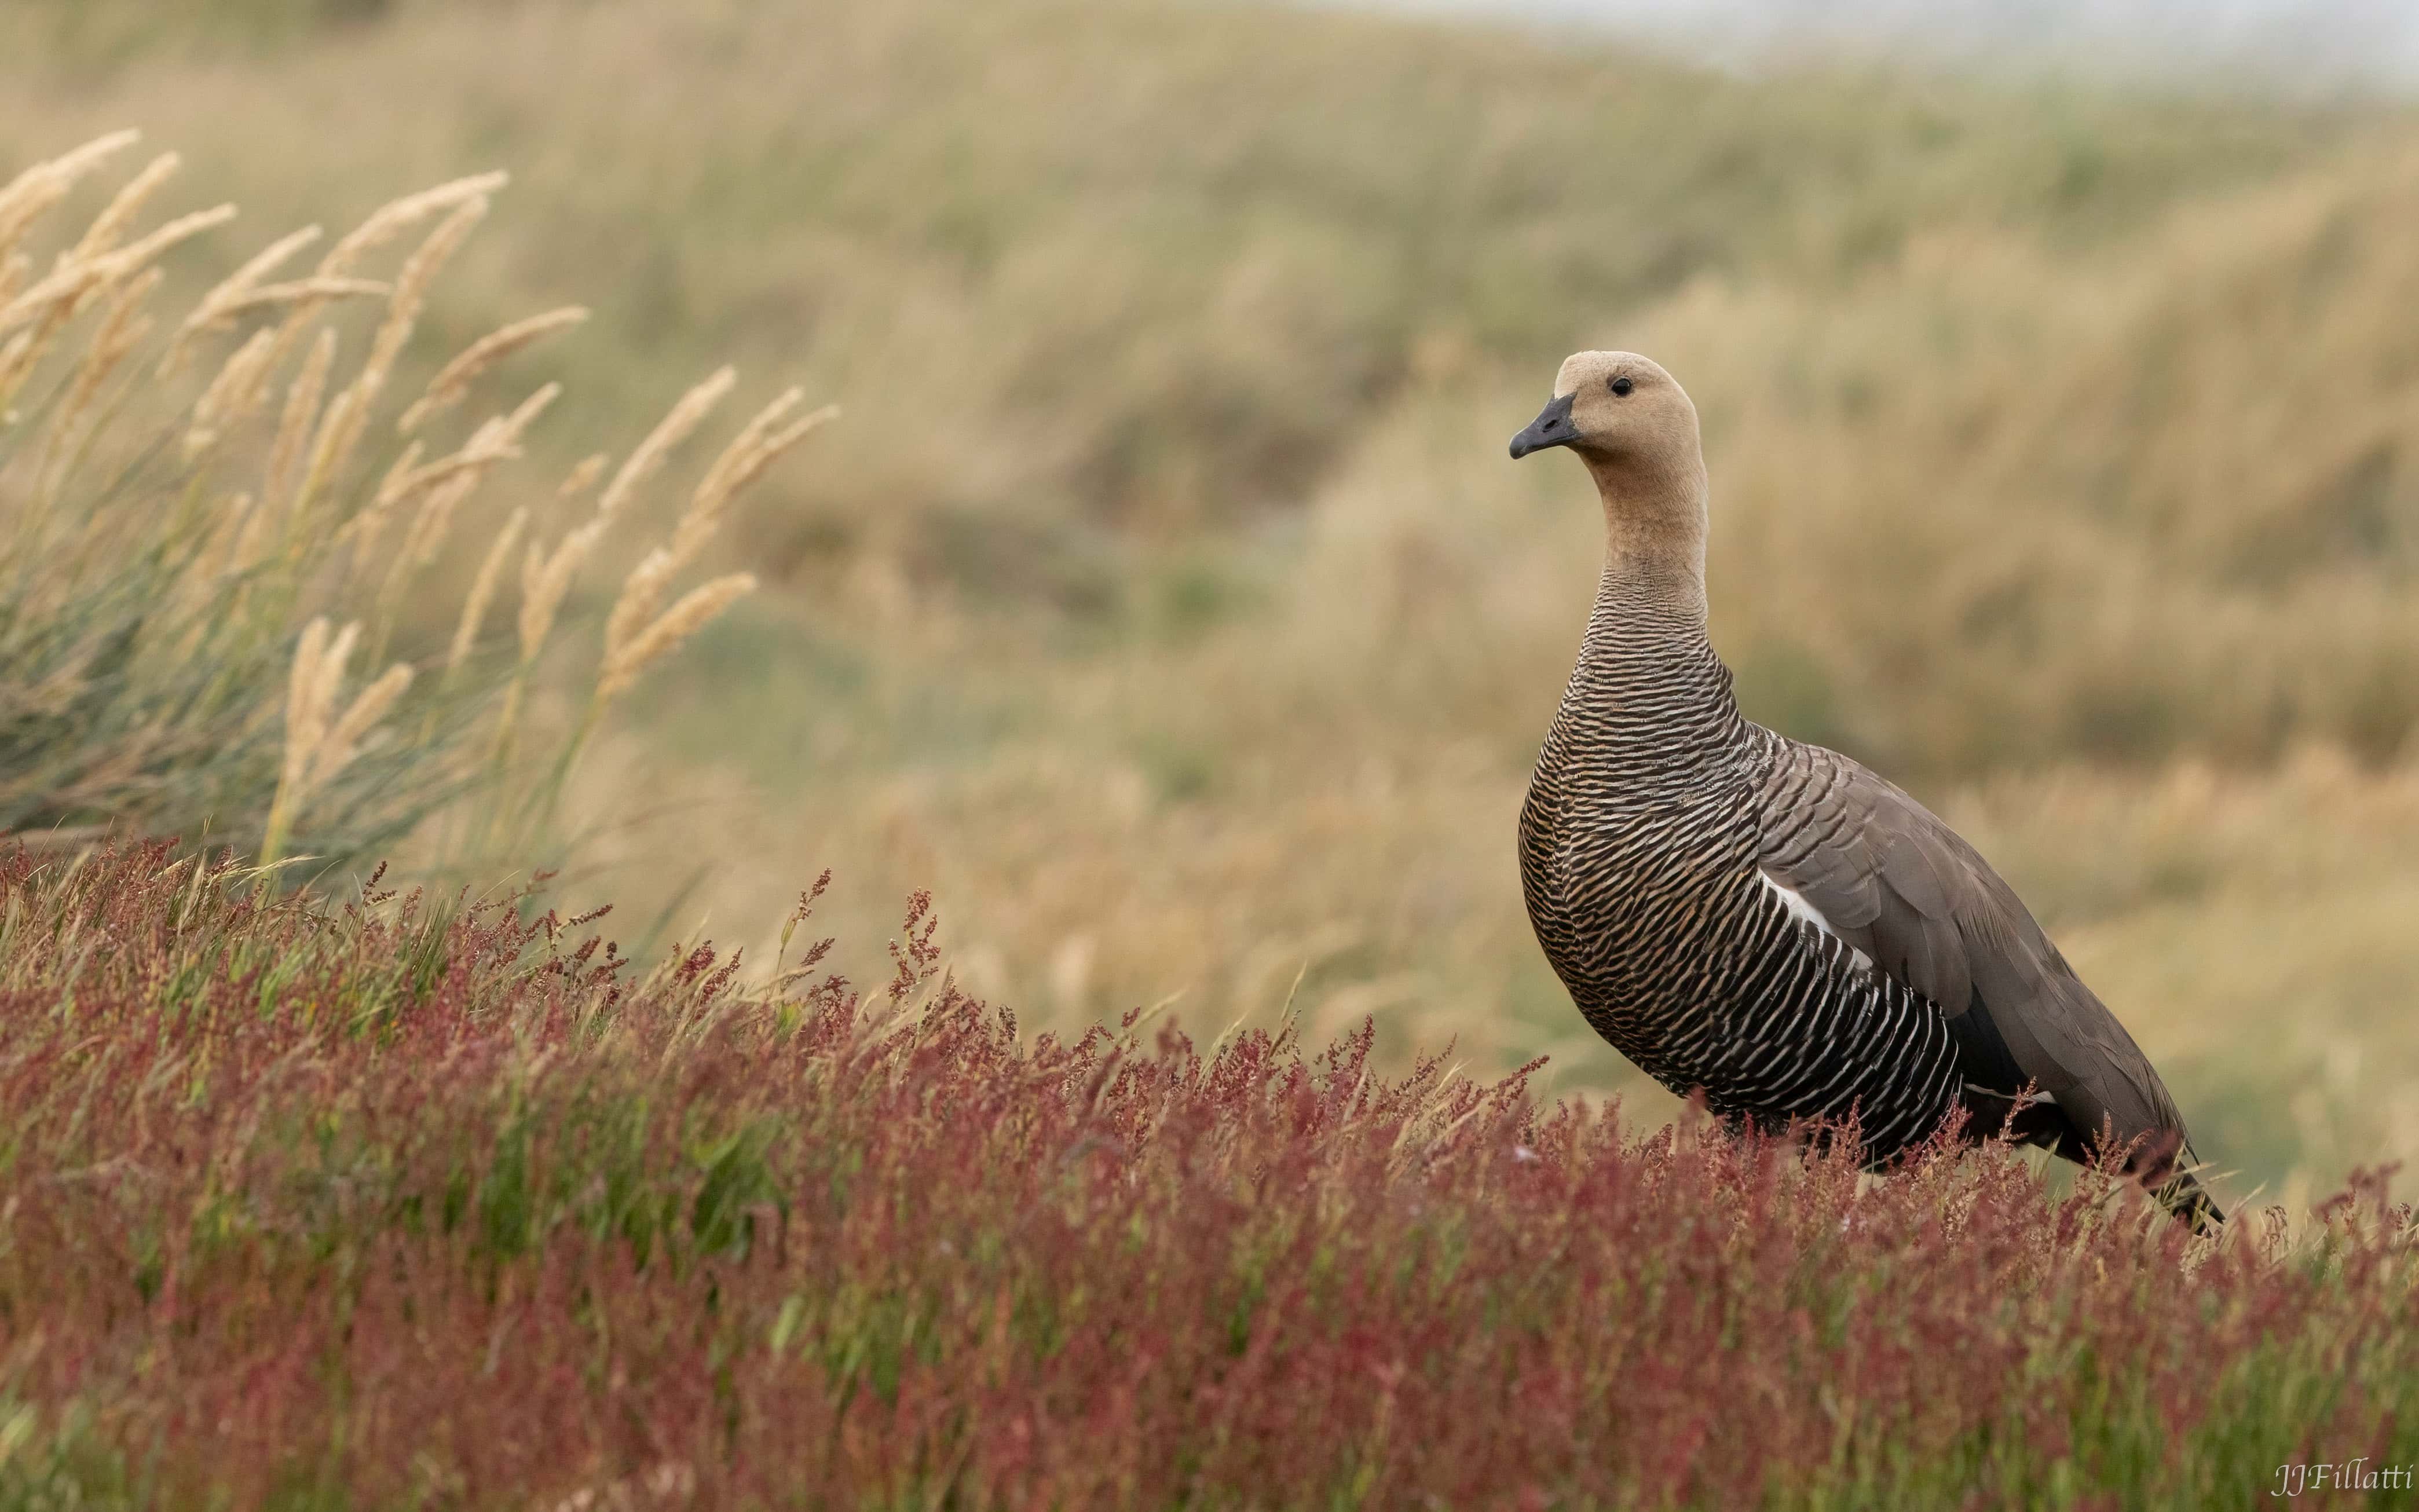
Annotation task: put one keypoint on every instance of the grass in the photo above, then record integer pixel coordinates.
(304, 1201)
(1164, 603)
(175, 536)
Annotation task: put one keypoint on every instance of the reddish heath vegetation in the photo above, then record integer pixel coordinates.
(408, 1203)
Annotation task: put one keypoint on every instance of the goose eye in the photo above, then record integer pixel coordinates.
(1621, 385)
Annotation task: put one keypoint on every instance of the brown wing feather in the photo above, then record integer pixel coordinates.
(1900, 885)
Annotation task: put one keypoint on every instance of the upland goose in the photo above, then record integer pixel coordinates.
(1767, 922)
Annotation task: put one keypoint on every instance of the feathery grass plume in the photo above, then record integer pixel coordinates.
(411, 290)
(344, 739)
(301, 414)
(397, 216)
(584, 477)
(675, 427)
(311, 697)
(499, 438)
(401, 482)
(315, 289)
(757, 447)
(32, 194)
(442, 485)
(62, 293)
(382, 225)
(229, 395)
(123, 326)
(80, 275)
(482, 590)
(496, 441)
(219, 307)
(109, 227)
(237, 532)
(761, 444)
(154, 629)
(331, 447)
(545, 579)
(310, 690)
(455, 378)
(501, 441)
(634, 607)
(320, 742)
(691, 613)
(348, 413)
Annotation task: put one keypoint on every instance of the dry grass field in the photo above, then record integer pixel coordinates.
(1163, 600)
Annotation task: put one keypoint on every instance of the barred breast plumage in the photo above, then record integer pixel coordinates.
(1638, 856)
(1765, 922)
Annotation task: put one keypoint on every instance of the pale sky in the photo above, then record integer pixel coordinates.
(2302, 46)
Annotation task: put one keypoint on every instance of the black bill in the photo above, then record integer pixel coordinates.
(1551, 428)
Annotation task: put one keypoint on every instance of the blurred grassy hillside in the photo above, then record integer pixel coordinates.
(1165, 600)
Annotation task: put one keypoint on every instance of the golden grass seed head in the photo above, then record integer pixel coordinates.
(307, 718)
(66, 289)
(348, 417)
(691, 613)
(411, 292)
(382, 225)
(497, 441)
(218, 305)
(455, 378)
(545, 579)
(755, 450)
(109, 227)
(301, 412)
(296, 291)
(675, 427)
(224, 527)
(434, 518)
(252, 537)
(538, 403)
(331, 669)
(17, 356)
(27, 196)
(340, 429)
(344, 739)
(584, 477)
(482, 589)
(400, 482)
(395, 217)
(642, 593)
(227, 398)
(715, 485)
(122, 328)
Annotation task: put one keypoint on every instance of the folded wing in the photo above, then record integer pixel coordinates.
(1894, 881)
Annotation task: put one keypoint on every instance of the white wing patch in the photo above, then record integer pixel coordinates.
(2024, 1101)
(1795, 903)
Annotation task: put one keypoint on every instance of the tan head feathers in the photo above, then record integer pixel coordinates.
(1579, 368)
(1632, 424)
(1618, 408)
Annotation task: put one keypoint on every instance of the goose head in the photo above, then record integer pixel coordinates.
(1632, 424)
(1616, 408)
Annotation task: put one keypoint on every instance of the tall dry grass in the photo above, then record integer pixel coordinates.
(191, 504)
(1175, 616)
(2045, 535)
